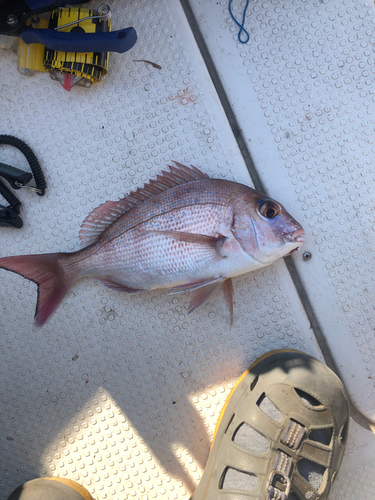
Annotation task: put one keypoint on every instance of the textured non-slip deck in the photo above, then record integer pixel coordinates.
(302, 91)
(122, 392)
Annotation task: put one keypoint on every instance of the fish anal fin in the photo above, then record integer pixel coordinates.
(107, 213)
(227, 288)
(113, 285)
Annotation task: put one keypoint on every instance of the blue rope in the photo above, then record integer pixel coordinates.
(241, 26)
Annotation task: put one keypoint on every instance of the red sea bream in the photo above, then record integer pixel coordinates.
(182, 231)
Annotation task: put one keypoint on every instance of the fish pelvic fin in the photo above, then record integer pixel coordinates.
(50, 276)
(200, 295)
(189, 287)
(227, 288)
(201, 291)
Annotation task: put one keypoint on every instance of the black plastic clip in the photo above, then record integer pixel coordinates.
(40, 181)
(9, 216)
(16, 177)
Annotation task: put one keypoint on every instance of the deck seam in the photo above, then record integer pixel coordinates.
(356, 414)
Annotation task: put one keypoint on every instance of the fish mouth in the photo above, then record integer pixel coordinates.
(295, 236)
(294, 250)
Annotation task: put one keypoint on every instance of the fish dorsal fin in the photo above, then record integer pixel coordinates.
(101, 218)
(107, 213)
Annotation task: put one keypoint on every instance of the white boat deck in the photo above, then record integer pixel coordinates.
(122, 392)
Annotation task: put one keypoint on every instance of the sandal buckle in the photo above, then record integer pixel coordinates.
(278, 476)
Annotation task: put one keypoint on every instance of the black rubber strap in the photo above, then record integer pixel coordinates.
(40, 181)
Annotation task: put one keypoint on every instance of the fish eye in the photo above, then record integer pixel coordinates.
(269, 209)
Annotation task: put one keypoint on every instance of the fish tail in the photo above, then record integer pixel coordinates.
(48, 272)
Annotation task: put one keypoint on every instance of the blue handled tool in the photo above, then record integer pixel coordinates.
(114, 41)
(19, 18)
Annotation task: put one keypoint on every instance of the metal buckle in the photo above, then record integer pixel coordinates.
(282, 478)
(26, 186)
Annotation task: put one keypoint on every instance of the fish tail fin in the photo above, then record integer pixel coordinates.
(50, 276)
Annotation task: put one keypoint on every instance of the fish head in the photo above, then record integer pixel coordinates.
(264, 229)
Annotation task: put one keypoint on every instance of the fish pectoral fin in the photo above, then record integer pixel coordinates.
(227, 288)
(215, 242)
(118, 286)
(200, 295)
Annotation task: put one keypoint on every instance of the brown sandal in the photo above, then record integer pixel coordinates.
(281, 434)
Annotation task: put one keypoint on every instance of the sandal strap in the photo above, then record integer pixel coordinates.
(293, 435)
(316, 452)
(280, 475)
(304, 488)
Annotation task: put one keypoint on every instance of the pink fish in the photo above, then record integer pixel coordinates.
(182, 231)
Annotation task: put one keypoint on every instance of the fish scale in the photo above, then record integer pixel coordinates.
(182, 231)
(159, 261)
(207, 192)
